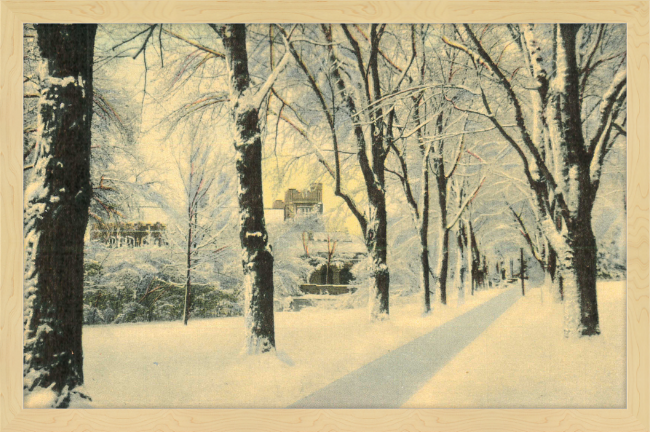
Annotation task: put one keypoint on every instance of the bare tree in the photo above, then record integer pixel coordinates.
(359, 90)
(257, 259)
(563, 150)
(420, 208)
(245, 103)
(434, 124)
(541, 251)
(197, 180)
(467, 263)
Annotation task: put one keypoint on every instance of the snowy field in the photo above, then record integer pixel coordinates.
(521, 361)
(167, 365)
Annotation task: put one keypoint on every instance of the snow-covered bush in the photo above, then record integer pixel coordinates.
(132, 312)
(611, 262)
(290, 242)
(145, 284)
(92, 315)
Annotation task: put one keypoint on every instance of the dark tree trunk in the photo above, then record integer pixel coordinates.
(483, 273)
(475, 257)
(558, 293)
(442, 271)
(522, 271)
(443, 231)
(576, 250)
(188, 283)
(376, 242)
(578, 272)
(461, 263)
(56, 212)
(553, 274)
(257, 260)
(373, 171)
(377, 231)
(424, 238)
(422, 220)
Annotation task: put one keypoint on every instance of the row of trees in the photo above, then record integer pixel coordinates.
(478, 108)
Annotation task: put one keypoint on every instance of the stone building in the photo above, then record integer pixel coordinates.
(299, 203)
(129, 234)
(331, 254)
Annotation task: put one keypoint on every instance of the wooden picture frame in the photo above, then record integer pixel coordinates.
(636, 417)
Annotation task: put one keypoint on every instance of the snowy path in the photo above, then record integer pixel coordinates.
(392, 379)
(523, 360)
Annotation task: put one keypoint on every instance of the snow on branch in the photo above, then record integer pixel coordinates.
(519, 116)
(262, 92)
(608, 110)
(465, 204)
(194, 44)
(524, 232)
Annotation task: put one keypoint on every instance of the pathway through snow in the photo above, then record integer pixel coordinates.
(392, 379)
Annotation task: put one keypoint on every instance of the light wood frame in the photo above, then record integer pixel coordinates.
(14, 418)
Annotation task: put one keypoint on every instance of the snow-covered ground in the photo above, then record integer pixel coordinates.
(164, 364)
(522, 360)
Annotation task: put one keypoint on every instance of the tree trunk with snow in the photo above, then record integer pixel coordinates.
(420, 211)
(569, 176)
(56, 212)
(557, 288)
(188, 282)
(257, 259)
(375, 225)
(438, 165)
(442, 270)
(576, 245)
(551, 274)
(377, 242)
(578, 270)
(461, 262)
(424, 235)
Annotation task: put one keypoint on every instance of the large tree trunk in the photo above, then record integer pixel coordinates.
(576, 247)
(443, 232)
(257, 260)
(376, 242)
(578, 270)
(56, 212)
(377, 234)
